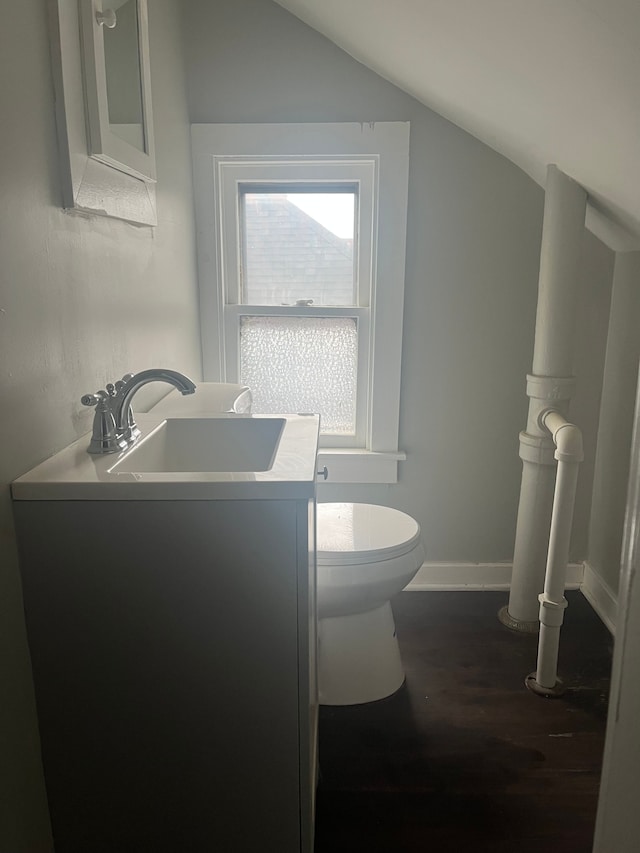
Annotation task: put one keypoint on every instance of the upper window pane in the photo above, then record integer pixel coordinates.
(298, 247)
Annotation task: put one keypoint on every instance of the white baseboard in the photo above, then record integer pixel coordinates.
(497, 576)
(477, 576)
(601, 597)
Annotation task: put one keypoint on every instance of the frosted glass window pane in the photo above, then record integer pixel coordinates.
(298, 246)
(302, 364)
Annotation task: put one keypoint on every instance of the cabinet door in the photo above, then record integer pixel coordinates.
(164, 640)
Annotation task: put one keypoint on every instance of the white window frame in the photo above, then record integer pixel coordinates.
(230, 173)
(376, 158)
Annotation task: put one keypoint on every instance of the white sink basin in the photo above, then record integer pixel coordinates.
(205, 445)
(207, 457)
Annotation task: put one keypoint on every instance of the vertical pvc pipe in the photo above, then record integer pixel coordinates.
(552, 600)
(569, 454)
(551, 383)
(546, 674)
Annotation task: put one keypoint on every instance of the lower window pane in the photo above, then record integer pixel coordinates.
(302, 364)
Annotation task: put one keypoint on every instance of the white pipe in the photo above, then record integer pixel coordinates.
(550, 384)
(562, 233)
(569, 453)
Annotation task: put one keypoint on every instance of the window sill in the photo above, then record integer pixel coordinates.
(359, 466)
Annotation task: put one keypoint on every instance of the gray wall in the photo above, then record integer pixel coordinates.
(474, 227)
(616, 421)
(83, 300)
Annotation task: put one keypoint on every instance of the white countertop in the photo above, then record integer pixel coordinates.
(74, 474)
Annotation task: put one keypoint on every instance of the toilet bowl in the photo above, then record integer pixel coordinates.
(365, 555)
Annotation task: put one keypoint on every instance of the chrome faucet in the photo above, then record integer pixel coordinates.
(114, 426)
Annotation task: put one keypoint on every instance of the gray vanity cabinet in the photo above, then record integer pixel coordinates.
(172, 645)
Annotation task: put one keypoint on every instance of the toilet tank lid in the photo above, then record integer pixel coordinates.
(354, 532)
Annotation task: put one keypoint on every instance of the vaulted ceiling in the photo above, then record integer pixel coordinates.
(540, 81)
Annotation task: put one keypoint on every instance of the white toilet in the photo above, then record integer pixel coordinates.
(365, 555)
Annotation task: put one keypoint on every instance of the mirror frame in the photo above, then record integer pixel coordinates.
(89, 185)
(104, 144)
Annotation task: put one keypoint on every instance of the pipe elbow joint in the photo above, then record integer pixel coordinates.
(567, 437)
(568, 441)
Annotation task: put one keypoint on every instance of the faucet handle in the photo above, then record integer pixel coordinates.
(112, 389)
(120, 384)
(93, 399)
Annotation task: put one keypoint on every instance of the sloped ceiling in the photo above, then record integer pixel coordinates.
(540, 81)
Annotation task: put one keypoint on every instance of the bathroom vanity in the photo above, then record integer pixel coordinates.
(171, 623)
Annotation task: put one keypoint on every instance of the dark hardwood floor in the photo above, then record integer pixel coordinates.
(463, 756)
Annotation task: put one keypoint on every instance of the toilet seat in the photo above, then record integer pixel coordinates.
(353, 534)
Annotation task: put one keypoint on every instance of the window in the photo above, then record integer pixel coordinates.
(301, 236)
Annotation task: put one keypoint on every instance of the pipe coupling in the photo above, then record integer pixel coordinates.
(551, 388)
(552, 612)
(536, 448)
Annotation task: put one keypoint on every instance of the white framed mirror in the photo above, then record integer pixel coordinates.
(103, 107)
(115, 48)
